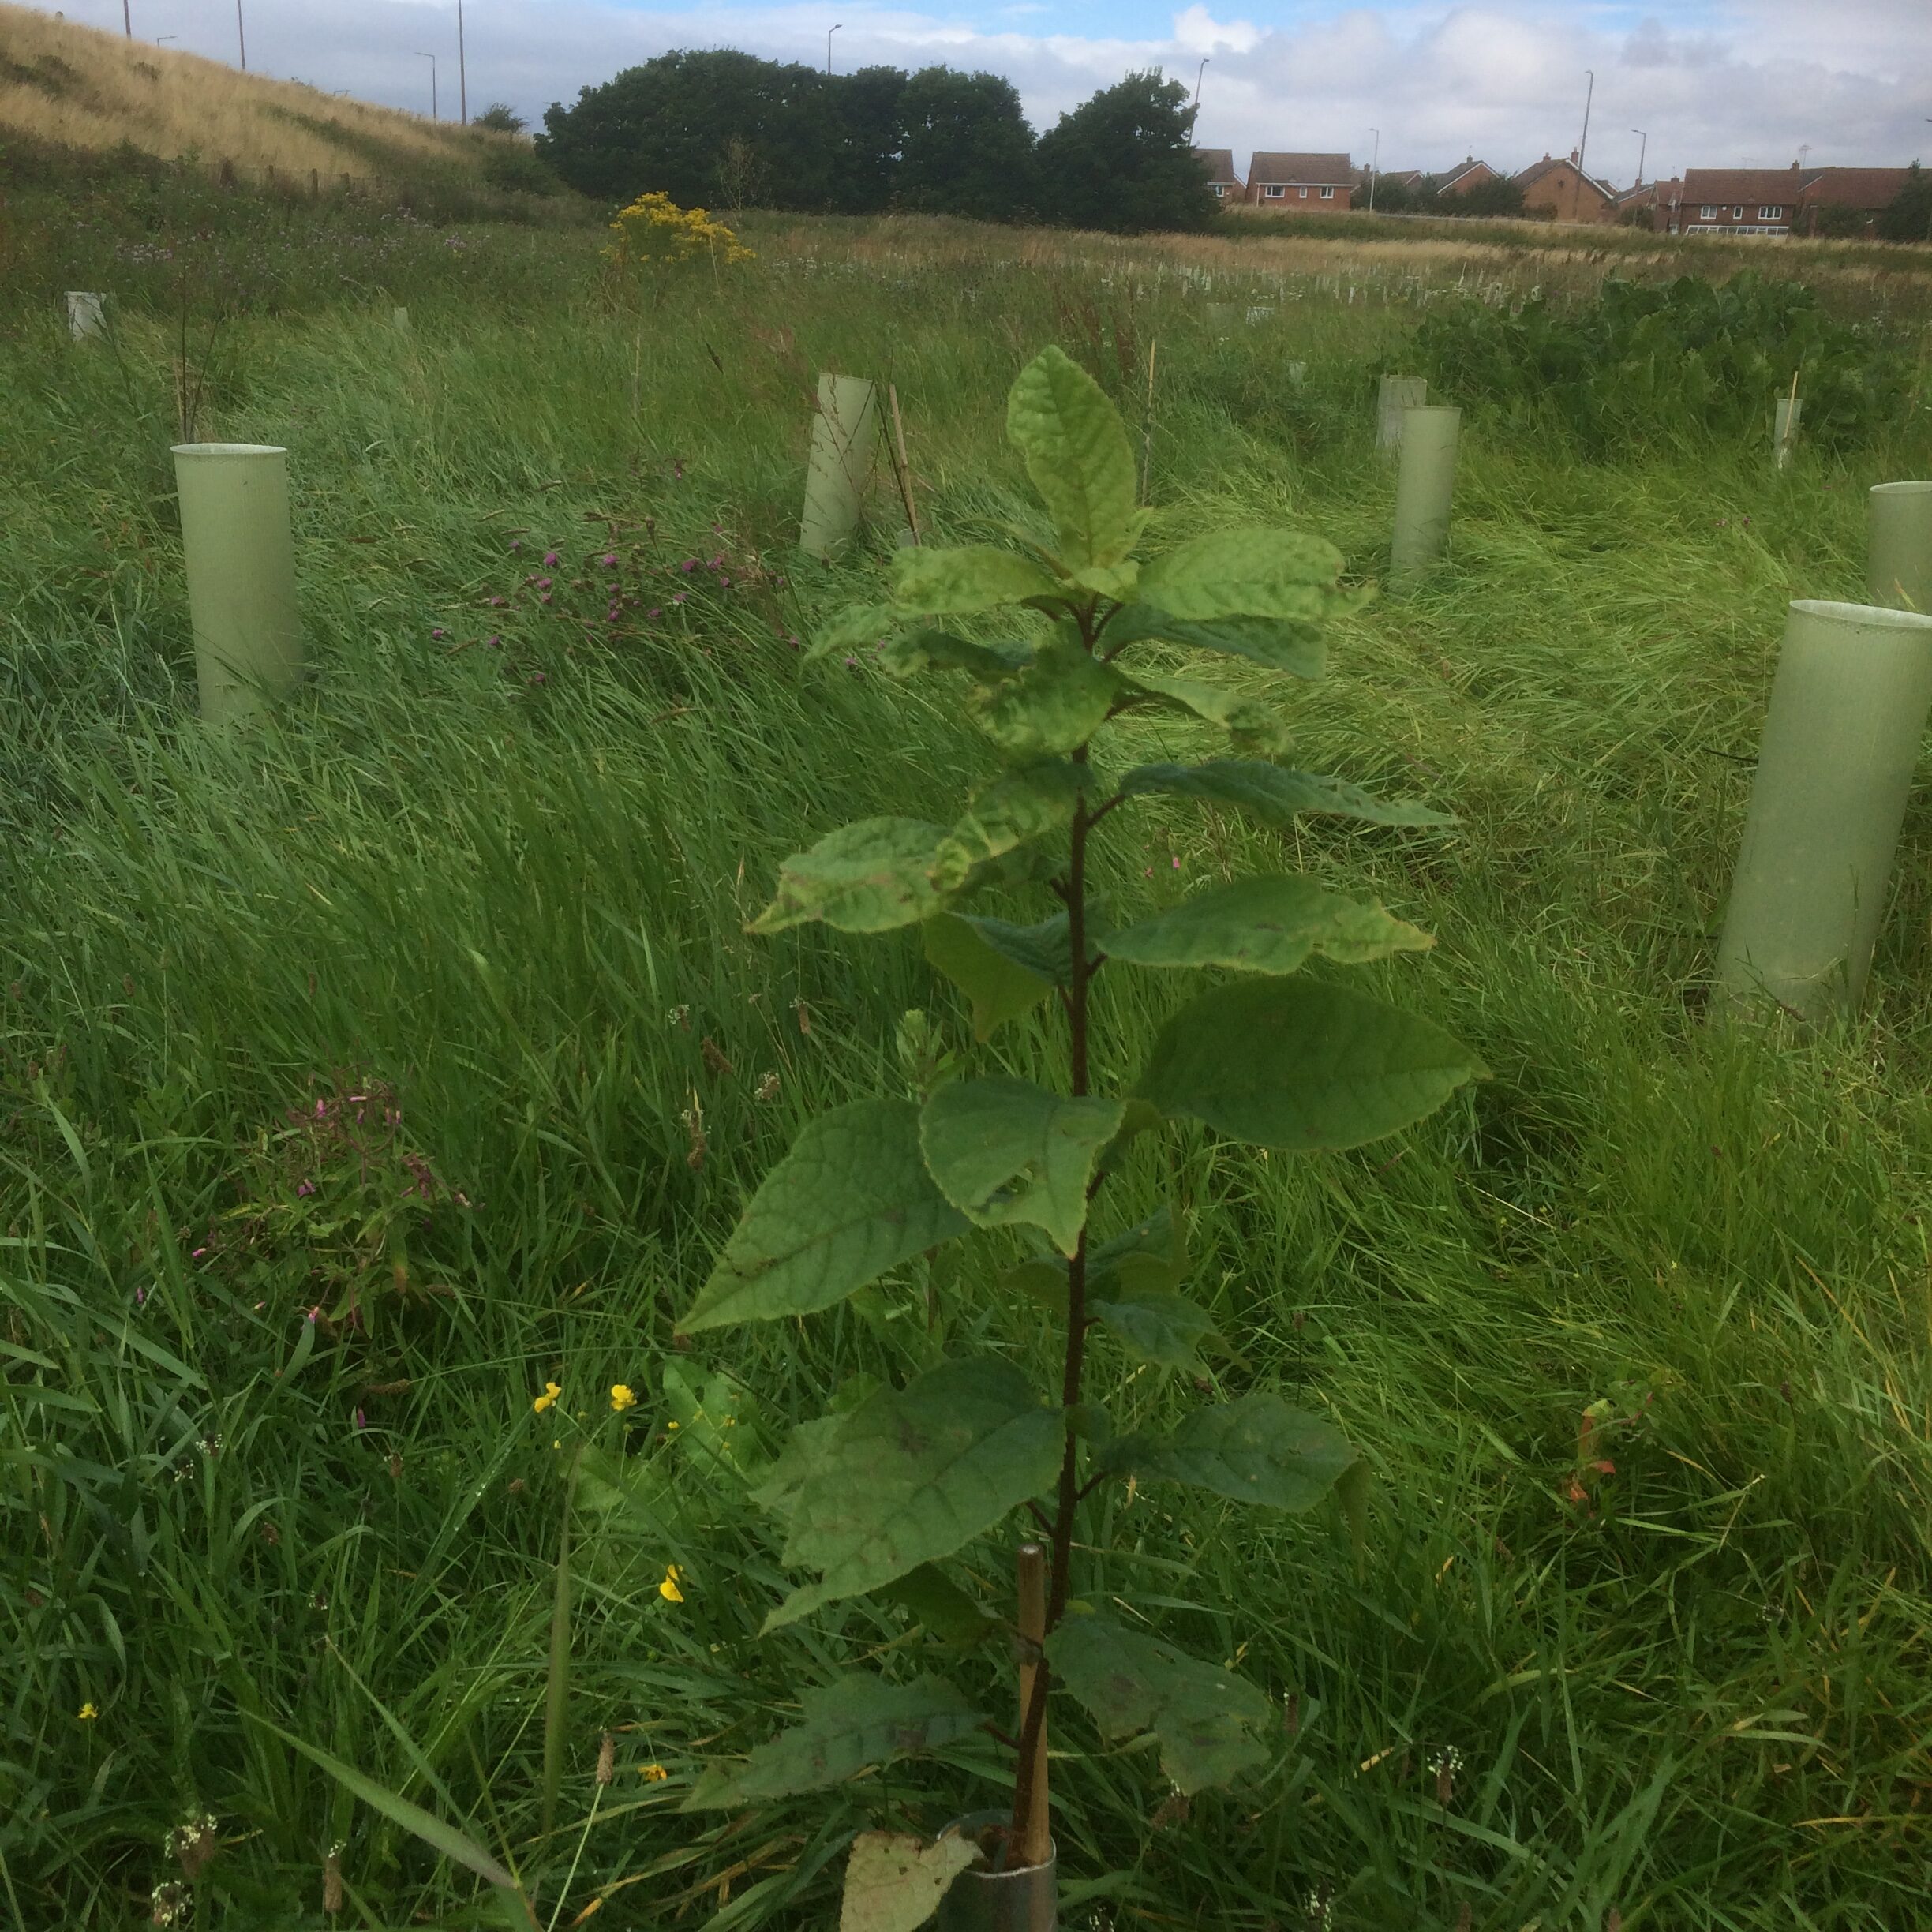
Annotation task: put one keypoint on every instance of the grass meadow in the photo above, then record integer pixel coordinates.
(363, 1072)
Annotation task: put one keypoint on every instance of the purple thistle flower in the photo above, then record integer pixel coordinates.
(550, 560)
(361, 1419)
(439, 632)
(610, 560)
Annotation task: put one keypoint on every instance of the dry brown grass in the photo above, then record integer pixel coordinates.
(83, 89)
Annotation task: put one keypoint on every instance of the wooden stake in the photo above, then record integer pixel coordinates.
(1036, 1839)
(1146, 425)
(902, 468)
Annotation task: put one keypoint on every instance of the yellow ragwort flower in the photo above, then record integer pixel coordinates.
(622, 1396)
(548, 1399)
(668, 1589)
(653, 1774)
(87, 1714)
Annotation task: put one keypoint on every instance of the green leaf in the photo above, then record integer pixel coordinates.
(1041, 949)
(457, 1846)
(865, 877)
(1299, 1066)
(1255, 1450)
(938, 650)
(955, 583)
(1166, 1330)
(1019, 806)
(1055, 704)
(853, 630)
(1245, 573)
(1077, 455)
(944, 1609)
(849, 1726)
(914, 1473)
(1282, 644)
(1004, 1150)
(1265, 925)
(1041, 1278)
(778, 1489)
(999, 990)
(894, 1881)
(1251, 724)
(1131, 1683)
(851, 1199)
(1150, 1256)
(1118, 581)
(1140, 1117)
(1272, 796)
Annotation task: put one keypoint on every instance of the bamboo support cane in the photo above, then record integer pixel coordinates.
(902, 468)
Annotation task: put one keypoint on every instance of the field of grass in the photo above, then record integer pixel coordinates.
(76, 87)
(361, 1073)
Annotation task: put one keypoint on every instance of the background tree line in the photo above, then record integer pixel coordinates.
(726, 129)
(1499, 196)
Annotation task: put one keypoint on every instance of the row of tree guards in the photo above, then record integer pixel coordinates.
(1848, 707)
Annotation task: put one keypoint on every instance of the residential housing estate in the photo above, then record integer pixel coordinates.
(1736, 201)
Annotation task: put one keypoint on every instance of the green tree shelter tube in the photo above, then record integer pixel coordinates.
(1425, 489)
(1898, 559)
(1840, 743)
(844, 434)
(1789, 414)
(1397, 393)
(241, 566)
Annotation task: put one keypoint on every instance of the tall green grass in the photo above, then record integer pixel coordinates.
(499, 892)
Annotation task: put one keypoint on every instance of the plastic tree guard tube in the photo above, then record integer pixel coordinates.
(844, 433)
(1898, 559)
(1784, 431)
(1397, 393)
(1840, 742)
(241, 568)
(1424, 489)
(86, 313)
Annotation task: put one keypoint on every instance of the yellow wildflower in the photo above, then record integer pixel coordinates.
(87, 1714)
(622, 1396)
(653, 1773)
(548, 1399)
(668, 1589)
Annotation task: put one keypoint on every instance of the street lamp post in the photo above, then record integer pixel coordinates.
(462, 70)
(1641, 152)
(431, 59)
(127, 19)
(829, 31)
(1373, 159)
(1198, 72)
(241, 36)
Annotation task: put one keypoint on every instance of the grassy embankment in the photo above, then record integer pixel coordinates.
(494, 881)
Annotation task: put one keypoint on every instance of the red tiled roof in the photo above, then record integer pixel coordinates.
(1739, 185)
(1537, 169)
(1302, 171)
(1866, 188)
(1218, 163)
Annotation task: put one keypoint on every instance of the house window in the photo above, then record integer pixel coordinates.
(1220, 188)
(1273, 192)
(1707, 212)
(1737, 214)
(1328, 194)
(1771, 213)
(1302, 192)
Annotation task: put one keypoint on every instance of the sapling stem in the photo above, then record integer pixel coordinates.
(1034, 1835)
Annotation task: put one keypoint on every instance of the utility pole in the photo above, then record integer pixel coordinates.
(1583, 145)
(241, 36)
(462, 70)
(1641, 152)
(1373, 159)
(829, 31)
(431, 59)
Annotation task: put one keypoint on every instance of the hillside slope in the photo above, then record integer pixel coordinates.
(78, 88)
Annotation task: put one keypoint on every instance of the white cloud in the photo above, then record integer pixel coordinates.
(1715, 83)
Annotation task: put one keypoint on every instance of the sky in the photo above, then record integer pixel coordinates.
(1716, 82)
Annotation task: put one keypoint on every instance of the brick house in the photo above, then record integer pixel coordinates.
(1217, 165)
(1759, 201)
(1472, 174)
(1313, 184)
(1843, 197)
(1560, 191)
(1655, 205)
